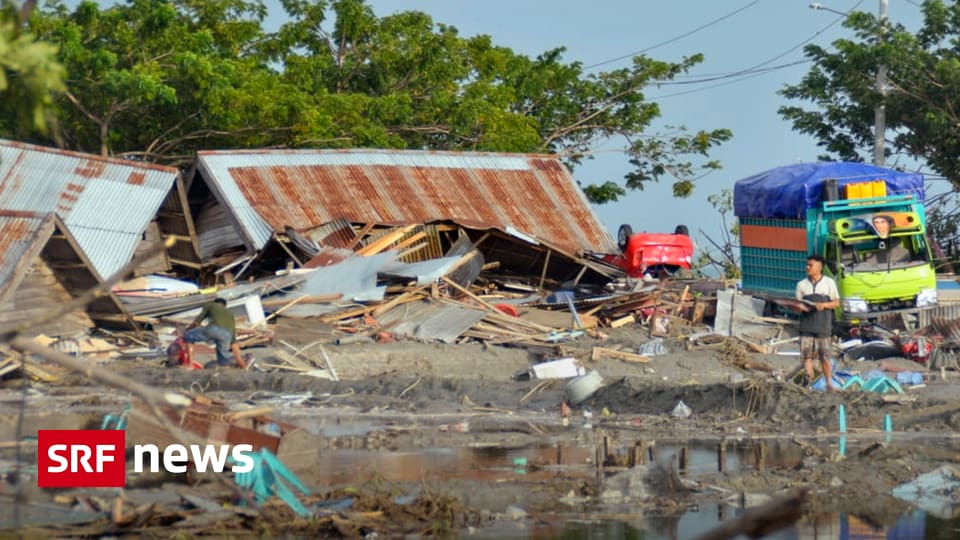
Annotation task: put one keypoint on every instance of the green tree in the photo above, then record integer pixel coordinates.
(923, 72)
(160, 79)
(721, 255)
(424, 86)
(30, 75)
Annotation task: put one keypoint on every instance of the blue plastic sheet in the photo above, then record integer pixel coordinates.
(788, 192)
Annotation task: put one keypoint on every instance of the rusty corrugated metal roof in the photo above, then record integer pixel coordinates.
(21, 238)
(106, 203)
(534, 194)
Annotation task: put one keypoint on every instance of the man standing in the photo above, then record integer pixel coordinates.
(816, 323)
(220, 330)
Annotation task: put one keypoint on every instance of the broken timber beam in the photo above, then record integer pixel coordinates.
(599, 353)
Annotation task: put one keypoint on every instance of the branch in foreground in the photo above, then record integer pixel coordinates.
(81, 302)
(760, 520)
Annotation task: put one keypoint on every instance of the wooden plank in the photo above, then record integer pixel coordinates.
(623, 321)
(363, 232)
(599, 353)
(306, 299)
(546, 263)
(381, 244)
(413, 250)
(414, 238)
(346, 314)
(556, 319)
(408, 296)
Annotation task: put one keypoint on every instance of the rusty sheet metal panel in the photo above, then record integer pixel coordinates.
(20, 236)
(106, 203)
(535, 194)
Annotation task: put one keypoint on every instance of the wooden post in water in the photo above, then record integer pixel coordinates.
(761, 453)
(684, 458)
(722, 456)
(636, 456)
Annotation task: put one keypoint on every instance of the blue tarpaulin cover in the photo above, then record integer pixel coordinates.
(788, 192)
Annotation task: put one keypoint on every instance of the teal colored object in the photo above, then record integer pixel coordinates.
(269, 477)
(887, 423)
(882, 385)
(852, 381)
(842, 414)
(117, 421)
(843, 447)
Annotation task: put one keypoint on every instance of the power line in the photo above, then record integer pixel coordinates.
(754, 71)
(677, 38)
(742, 78)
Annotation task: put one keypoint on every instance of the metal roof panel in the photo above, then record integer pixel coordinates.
(106, 203)
(19, 232)
(534, 194)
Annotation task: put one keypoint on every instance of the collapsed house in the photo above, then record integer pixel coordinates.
(114, 208)
(523, 211)
(41, 268)
(107, 211)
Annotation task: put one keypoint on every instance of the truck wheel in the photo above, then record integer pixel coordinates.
(623, 236)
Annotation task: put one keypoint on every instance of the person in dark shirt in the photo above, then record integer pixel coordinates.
(220, 330)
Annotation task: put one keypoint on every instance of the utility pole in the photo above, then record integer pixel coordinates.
(880, 111)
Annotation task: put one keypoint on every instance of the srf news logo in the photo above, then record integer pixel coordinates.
(71, 458)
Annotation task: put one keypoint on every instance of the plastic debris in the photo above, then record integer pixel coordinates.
(681, 410)
(653, 347)
(268, 479)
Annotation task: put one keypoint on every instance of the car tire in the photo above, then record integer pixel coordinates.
(623, 236)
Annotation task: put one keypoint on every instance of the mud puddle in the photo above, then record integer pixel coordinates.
(915, 525)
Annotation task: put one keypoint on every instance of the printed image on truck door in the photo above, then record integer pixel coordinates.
(878, 259)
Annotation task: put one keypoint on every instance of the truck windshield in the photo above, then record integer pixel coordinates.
(875, 254)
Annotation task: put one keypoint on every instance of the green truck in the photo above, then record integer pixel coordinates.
(868, 223)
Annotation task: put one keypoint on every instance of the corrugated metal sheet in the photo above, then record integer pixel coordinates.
(428, 321)
(533, 194)
(19, 234)
(106, 203)
(943, 313)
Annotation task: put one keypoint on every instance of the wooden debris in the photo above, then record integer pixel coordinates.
(623, 321)
(599, 353)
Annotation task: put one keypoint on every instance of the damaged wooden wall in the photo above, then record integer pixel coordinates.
(38, 293)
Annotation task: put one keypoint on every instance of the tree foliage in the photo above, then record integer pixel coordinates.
(921, 97)
(30, 75)
(160, 79)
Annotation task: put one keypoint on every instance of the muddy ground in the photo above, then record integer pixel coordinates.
(447, 424)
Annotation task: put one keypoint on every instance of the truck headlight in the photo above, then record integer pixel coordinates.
(855, 304)
(927, 297)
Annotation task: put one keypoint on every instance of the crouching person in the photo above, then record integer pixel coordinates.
(220, 330)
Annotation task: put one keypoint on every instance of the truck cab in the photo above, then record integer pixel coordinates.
(880, 258)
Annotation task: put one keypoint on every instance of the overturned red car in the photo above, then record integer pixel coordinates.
(654, 254)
